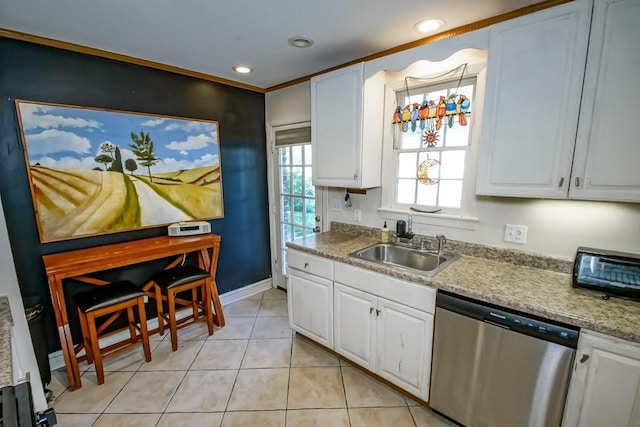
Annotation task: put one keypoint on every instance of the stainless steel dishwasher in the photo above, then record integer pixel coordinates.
(497, 368)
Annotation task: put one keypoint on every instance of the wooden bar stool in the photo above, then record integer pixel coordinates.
(114, 299)
(170, 282)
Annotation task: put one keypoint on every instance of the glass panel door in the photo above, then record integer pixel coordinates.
(296, 200)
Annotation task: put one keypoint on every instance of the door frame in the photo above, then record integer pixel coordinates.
(272, 179)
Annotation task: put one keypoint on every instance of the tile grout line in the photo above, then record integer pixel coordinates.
(226, 408)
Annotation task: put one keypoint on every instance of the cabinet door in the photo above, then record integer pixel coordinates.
(534, 82)
(405, 337)
(310, 300)
(605, 386)
(607, 148)
(336, 126)
(355, 325)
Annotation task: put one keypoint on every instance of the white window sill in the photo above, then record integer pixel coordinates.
(439, 219)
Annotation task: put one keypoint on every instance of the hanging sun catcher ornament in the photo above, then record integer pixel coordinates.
(423, 172)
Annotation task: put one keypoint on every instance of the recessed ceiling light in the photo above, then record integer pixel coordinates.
(300, 41)
(242, 69)
(429, 25)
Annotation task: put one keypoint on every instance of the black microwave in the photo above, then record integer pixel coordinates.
(609, 272)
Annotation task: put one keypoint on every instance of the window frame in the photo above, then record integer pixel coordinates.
(449, 84)
(467, 218)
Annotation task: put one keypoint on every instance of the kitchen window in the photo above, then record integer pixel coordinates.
(430, 154)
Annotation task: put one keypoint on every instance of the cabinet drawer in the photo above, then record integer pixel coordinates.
(420, 297)
(310, 263)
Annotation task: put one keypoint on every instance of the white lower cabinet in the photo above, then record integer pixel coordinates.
(354, 328)
(605, 386)
(310, 296)
(386, 337)
(404, 358)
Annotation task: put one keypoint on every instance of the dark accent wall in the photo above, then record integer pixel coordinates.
(38, 73)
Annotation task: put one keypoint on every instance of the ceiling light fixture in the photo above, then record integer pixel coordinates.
(242, 69)
(300, 41)
(429, 25)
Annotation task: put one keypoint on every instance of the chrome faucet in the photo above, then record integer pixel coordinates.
(441, 241)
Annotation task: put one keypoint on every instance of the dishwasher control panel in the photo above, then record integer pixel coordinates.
(548, 330)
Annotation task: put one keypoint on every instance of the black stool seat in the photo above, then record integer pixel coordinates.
(179, 275)
(104, 296)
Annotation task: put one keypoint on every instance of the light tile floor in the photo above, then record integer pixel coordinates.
(252, 372)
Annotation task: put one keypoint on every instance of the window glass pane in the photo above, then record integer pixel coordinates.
(298, 232)
(285, 208)
(296, 178)
(285, 155)
(457, 136)
(298, 204)
(307, 154)
(407, 165)
(296, 154)
(450, 193)
(309, 213)
(427, 195)
(406, 191)
(285, 180)
(309, 189)
(452, 166)
(411, 139)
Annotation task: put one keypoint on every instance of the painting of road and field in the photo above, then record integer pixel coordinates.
(95, 172)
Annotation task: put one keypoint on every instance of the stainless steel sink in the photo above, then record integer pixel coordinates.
(425, 262)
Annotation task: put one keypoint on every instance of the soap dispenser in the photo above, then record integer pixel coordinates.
(384, 233)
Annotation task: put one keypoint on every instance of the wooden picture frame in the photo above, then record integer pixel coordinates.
(95, 171)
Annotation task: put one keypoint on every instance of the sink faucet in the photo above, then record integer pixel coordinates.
(441, 241)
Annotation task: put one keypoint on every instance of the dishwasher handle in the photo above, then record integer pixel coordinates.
(494, 323)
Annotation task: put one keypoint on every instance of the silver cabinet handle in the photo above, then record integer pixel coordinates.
(306, 265)
(577, 181)
(561, 182)
(355, 176)
(584, 358)
(370, 310)
(377, 312)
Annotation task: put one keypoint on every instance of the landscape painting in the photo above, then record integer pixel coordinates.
(95, 171)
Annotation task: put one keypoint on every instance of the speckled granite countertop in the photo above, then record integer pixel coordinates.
(6, 321)
(543, 292)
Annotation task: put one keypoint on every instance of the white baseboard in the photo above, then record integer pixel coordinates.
(246, 291)
(56, 360)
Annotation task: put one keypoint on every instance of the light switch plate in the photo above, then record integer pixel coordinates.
(336, 205)
(515, 233)
(357, 215)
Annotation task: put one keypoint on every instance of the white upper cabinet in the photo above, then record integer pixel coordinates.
(347, 128)
(534, 82)
(607, 156)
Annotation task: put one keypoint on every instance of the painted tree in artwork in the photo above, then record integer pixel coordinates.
(131, 165)
(116, 166)
(142, 147)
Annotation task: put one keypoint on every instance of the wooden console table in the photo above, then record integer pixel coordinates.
(77, 264)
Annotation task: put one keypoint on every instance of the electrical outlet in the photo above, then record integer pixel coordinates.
(336, 205)
(357, 215)
(515, 233)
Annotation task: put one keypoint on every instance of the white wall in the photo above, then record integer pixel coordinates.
(22, 337)
(555, 227)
